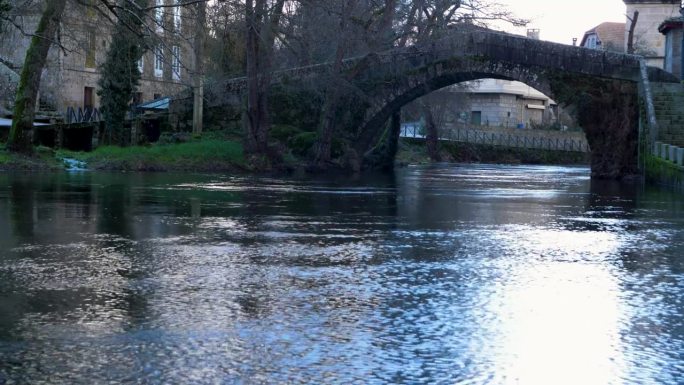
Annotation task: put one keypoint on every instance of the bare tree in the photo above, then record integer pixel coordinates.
(225, 40)
(330, 31)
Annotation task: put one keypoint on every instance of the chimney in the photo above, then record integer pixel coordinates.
(533, 34)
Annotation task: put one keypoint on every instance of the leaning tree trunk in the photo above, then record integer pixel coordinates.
(261, 35)
(323, 146)
(198, 94)
(25, 105)
(431, 134)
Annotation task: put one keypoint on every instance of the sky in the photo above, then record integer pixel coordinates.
(561, 20)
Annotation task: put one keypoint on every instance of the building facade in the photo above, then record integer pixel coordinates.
(70, 77)
(648, 42)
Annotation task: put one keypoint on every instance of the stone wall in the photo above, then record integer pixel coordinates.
(668, 100)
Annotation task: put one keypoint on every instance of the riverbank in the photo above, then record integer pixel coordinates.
(208, 154)
(42, 159)
(215, 153)
(201, 154)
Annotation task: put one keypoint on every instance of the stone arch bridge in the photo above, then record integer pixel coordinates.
(602, 85)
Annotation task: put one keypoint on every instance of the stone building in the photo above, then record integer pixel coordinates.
(648, 42)
(674, 43)
(72, 70)
(503, 103)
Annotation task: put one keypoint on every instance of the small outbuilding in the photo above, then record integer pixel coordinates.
(674, 43)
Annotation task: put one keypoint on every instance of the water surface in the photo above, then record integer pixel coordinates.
(444, 274)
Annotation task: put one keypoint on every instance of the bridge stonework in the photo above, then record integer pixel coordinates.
(602, 85)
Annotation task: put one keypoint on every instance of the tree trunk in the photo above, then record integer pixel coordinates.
(199, 42)
(393, 140)
(326, 127)
(431, 135)
(384, 37)
(323, 146)
(630, 35)
(19, 139)
(260, 39)
(251, 55)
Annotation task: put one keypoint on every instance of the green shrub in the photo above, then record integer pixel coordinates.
(284, 132)
(302, 143)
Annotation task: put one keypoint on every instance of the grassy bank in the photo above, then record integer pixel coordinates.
(42, 159)
(413, 151)
(221, 153)
(206, 154)
(663, 172)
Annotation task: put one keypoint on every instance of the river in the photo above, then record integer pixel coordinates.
(449, 274)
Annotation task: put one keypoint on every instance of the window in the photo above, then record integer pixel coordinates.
(668, 52)
(88, 103)
(159, 15)
(141, 64)
(476, 118)
(91, 47)
(158, 62)
(175, 63)
(177, 17)
(137, 98)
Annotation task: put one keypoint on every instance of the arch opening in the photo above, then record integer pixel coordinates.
(606, 109)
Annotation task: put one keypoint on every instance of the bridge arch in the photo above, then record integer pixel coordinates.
(418, 86)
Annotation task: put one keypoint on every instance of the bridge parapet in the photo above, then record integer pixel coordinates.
(474, 45)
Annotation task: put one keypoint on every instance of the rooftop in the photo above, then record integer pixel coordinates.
(671, 23)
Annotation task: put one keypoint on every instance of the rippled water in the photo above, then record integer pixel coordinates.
(447, 274)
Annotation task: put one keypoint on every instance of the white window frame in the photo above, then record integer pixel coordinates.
(177, 17)
(175, 62)
(141, 65)
(591, 41)
(158, 62)
(159, 15)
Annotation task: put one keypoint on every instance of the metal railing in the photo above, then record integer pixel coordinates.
(82, 115)
(503, 139)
